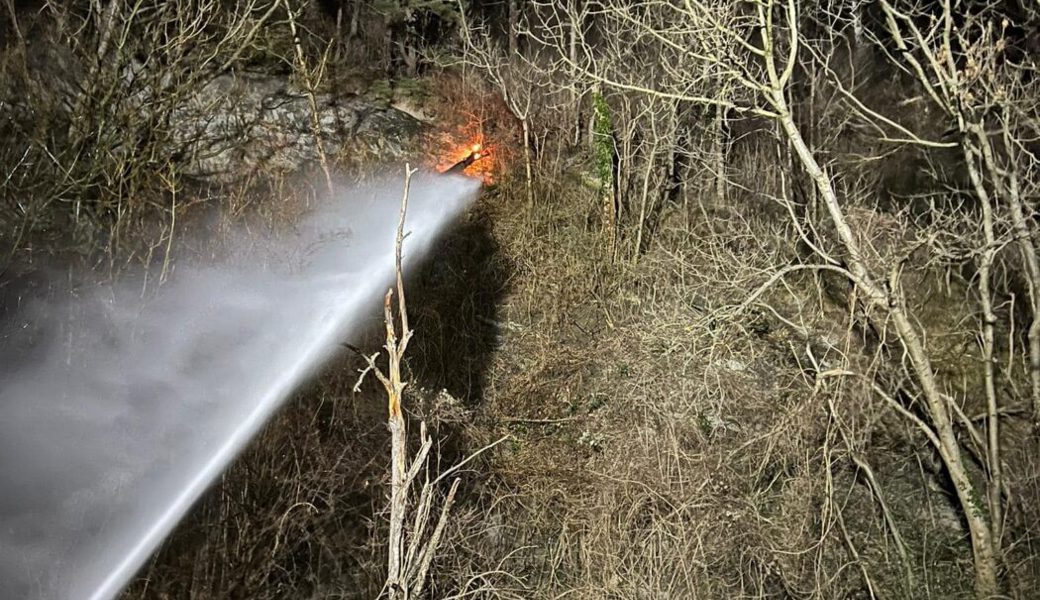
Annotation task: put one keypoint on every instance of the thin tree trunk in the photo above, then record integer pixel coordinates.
(107, 24)
(645, 194)
(989, 320)
(526, 126)
(1009, 191)
(573, 55)
(1027, 249)
(398, 497)
(718, 155)
(11, 12)
(514, 28)
(396, 582)
(892, 301)
(643, 208)
(310, 88)
(355, 18)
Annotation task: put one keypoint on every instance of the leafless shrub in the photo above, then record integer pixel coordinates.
(806, 382)
(95, 115)
(879, 278)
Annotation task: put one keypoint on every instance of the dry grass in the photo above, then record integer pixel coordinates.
(666, 446)
(668, 439)
(663, 443)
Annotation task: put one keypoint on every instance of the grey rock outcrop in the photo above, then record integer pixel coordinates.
(241, 123)
(216, 126)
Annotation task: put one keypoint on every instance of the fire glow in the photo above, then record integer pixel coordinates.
(481, 165)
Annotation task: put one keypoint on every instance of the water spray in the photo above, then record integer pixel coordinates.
(116, 414)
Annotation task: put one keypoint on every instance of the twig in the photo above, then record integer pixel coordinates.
(540, 421)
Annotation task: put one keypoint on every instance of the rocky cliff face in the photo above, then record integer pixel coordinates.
(242, 123)
(93, 151)
(215, 126)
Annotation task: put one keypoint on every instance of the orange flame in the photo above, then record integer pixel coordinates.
(482, 166)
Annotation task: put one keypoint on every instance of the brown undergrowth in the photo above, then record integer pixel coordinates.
(671, 434)
(669, 437)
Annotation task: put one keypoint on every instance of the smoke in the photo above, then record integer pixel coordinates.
(116, 413)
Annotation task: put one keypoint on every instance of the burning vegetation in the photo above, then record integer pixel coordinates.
(755, 293)
(466, 162)
(474, 158)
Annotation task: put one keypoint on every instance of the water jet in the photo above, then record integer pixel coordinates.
(126, 410)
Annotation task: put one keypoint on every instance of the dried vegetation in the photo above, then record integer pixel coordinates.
(780, 345)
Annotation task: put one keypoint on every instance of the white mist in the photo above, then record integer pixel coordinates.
(108, 439)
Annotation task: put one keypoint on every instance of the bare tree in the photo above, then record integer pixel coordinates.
(411, 551)
(743, 58)
(963, 65)
(111, 124)
(512, 77)
(411, 546)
